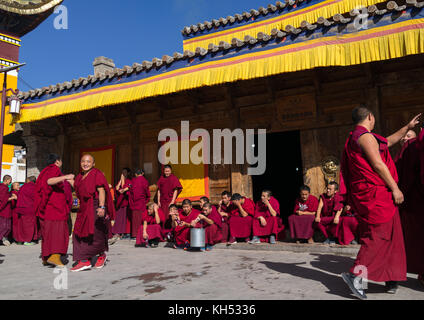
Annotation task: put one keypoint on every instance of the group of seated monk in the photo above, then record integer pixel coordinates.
(238, 218)
(330, 215)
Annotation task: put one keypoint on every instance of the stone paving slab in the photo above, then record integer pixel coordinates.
(168, 274)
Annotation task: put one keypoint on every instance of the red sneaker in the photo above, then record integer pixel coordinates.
(81, 266)
(101, 261)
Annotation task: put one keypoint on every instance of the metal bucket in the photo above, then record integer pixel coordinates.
(197, 238)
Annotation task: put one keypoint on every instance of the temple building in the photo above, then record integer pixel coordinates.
(17, 18)
(296, 69)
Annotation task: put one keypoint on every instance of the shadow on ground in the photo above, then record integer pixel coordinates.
(333, 283)
(1, 256)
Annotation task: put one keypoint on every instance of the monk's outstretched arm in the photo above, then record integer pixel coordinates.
(57, 180)
(397, 136)
(370, 146)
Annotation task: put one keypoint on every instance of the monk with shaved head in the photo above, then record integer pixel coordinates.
(27, 231)
(15, 221)
(6, 199)
(53, 204)
(93, 222)
(370, 179)
(410, 165)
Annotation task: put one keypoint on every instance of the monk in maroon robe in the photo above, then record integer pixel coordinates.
(211, 221)
(6, 199)
(348, 230)
(150, 232)
(27, 231)
(181, 223)
(410, 166)
(93, 222)
(224, 209)
(370, 178)
(122, 219)
(241, 218)
(330, 208)
(138, 199)
(169, 187)
(409, 137)
(15, 190)
(53, 203)
(267, 223)
(301, 222)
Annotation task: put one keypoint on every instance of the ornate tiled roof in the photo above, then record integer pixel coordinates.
(290, 47)
(167, 60)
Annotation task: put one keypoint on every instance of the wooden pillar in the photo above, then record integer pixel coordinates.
(312, 173)
(135, 145)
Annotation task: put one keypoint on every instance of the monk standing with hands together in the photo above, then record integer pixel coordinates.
(370, 180)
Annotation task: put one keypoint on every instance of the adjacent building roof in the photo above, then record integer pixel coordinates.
(392, 30)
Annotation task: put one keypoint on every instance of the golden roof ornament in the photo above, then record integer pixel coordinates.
(28, 7)
(331, 168)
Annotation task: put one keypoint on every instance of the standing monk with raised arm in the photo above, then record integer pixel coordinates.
(53, 203)
(370, 178)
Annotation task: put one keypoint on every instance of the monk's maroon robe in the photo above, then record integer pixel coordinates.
(213, 232)
(301, 227)
(91, 232)
(53, 205)
(27, 230)
(154, 230)
(15, 221)
(225, 222)
(5, 212)
(382, 245)
(122, 219)
(274, 225)
(138, 198)
(241, 227)
(411, 182)
(182, 233)
(348, 229)
(328, 213)
(167, 186)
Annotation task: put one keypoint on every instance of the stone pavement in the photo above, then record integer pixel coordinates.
(242, 272)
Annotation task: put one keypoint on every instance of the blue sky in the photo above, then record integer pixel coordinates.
(127, 31)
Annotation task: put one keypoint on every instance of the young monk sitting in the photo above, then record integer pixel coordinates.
(348, 230)
(181, 223)
(224, 209)
(266, 223)
(212, 223)
(329, 211)
(241, 218)
(150, 231)
(301, 222)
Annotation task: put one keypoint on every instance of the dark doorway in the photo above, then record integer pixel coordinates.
(284, 171)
